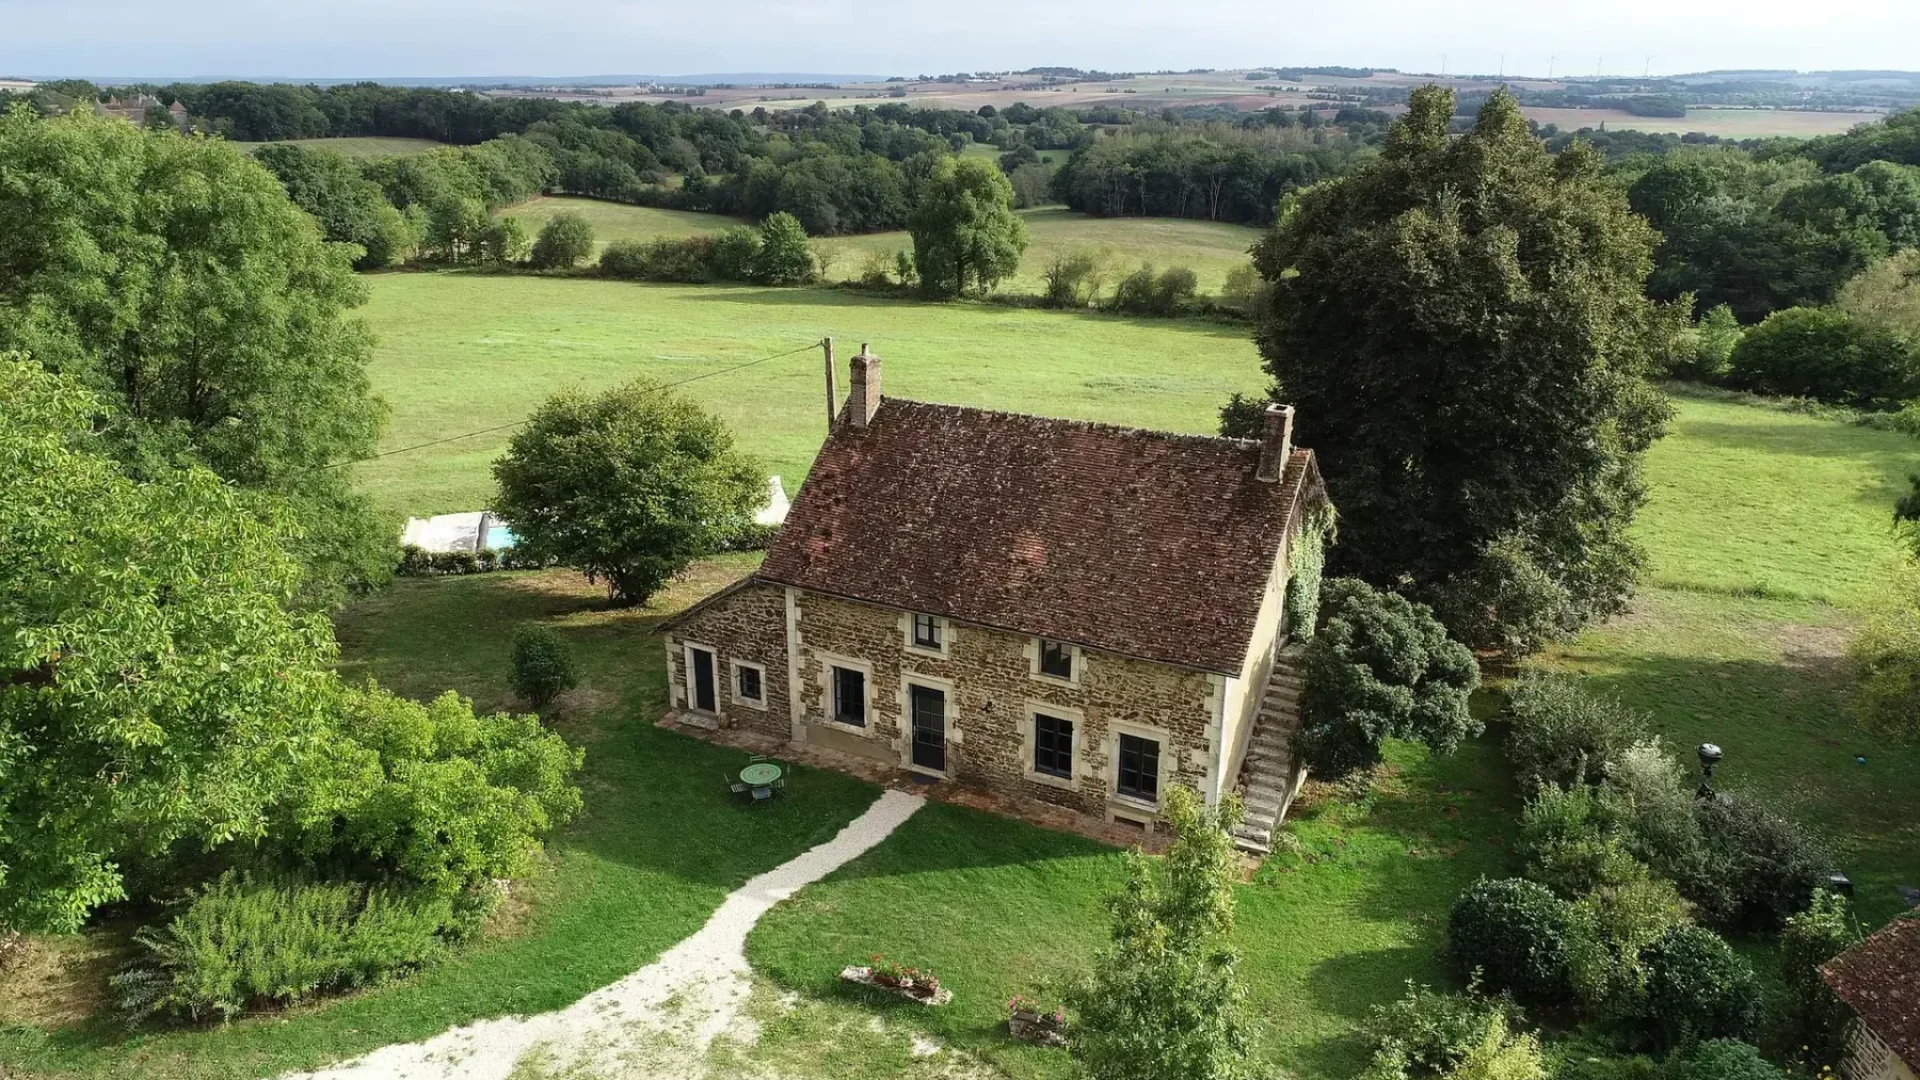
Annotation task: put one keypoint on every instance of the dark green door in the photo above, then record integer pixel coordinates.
(930, 728)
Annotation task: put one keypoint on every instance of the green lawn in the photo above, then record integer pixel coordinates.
(458, 353)
(1768, 532)
(1208, 248)
(656, 851)
(363, 146)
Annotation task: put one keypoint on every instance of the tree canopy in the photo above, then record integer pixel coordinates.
(627, 486)
(174, 278)
(1463, 327)
(966, 236)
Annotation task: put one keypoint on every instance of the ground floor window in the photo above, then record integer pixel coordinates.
(1139, 775)
(1052, 745)
(748, 684)
(850, 696)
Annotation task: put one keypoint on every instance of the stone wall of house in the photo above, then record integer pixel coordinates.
(992, 690)
(1870, 1058)
(748, 625)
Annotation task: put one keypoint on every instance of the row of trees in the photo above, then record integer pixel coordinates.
(1214, 172)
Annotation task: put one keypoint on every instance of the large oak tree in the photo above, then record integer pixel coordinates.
(1464, 328)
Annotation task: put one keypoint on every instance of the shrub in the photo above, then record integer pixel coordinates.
(1072, 279)
(504, 241)
(1721, 1059)
(1380, 666)
(1145, 292)
(1514, 933)
(1755, 867)
(1826, 355)
(431, 795)
(1571, 839)
(1699, 988)
(1662, 827)
(1885, 653)
(1133, 293)
(1245, 292)
(1705, 349)
(1814, 1019)
(243, 942)
(628, 486)
(876, 270)
(564, 240)
(1612, 927)
(542, 665)
(1512, 602)
(1432, 1033)
(784, 257)
(1561, 735)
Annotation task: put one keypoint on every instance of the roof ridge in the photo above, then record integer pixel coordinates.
(1091, 425)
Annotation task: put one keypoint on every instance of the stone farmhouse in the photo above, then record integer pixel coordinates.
(1879, 979)
(1050, 610)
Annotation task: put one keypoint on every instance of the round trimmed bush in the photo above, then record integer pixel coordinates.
(1699, 988)
(1515, 933)
(543, 669)
(1722, 1059)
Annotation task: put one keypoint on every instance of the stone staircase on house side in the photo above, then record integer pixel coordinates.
(1268, 777)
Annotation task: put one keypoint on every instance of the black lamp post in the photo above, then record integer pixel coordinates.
(1710, 756)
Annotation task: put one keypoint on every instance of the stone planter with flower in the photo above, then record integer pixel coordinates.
(1030, 1022)
(912, 983)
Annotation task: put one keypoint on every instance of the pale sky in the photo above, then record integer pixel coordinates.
(437, 38)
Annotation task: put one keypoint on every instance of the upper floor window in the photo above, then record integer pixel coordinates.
(930, 632)
(1056, 659)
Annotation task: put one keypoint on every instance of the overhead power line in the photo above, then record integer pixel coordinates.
(808, 347)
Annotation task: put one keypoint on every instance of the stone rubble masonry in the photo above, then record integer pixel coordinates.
(992, 693)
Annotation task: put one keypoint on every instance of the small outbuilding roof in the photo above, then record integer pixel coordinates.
(1144, 543)
(1880, 980)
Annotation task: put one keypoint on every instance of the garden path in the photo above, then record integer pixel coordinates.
(656, 1022)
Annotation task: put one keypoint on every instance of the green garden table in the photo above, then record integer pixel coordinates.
(760, 774)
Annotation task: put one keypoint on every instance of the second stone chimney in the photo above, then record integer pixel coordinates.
(863, 398)
(1276, 443)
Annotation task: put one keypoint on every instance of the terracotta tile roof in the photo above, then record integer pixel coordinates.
(1880, 980)
(1143, 543)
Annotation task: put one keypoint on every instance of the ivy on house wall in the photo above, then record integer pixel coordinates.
(1306, 564)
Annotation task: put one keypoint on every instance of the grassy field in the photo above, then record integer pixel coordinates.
(460, 353)
(363, 146)
(1728, 123)
(1769, 532)
(1209, 248)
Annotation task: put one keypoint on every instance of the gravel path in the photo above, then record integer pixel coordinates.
(656, 1022)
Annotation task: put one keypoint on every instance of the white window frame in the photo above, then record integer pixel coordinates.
(1077, 655)
(733, 683)
(945, 626)
(1030, 739)
(829, 661)
(686, 663)
(908, 680)
(1162, 778)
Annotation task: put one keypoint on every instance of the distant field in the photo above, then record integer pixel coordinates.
(1209, 248)
(458, 353)
(1728, 123)
(366, 146)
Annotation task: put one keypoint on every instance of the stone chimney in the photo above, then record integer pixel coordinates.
(1276, 444)
(863, 398)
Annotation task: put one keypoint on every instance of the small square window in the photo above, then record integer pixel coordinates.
(1056, 659)
(850, 696)
(747, 683)
(1052, 745)
(1139, 772)
(927, 631)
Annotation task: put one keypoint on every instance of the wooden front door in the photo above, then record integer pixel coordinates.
(929, 728)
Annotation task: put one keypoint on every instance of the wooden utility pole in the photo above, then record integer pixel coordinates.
(826, 346)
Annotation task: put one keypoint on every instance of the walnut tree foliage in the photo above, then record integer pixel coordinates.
(627, 486)
(174, 278)
(154, 688)
(1381, 666)
(1463, 326)
(1163, 999)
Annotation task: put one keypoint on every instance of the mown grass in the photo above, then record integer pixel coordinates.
(659, 847)
(460, 353)
(1209, 248)
(362, 146)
